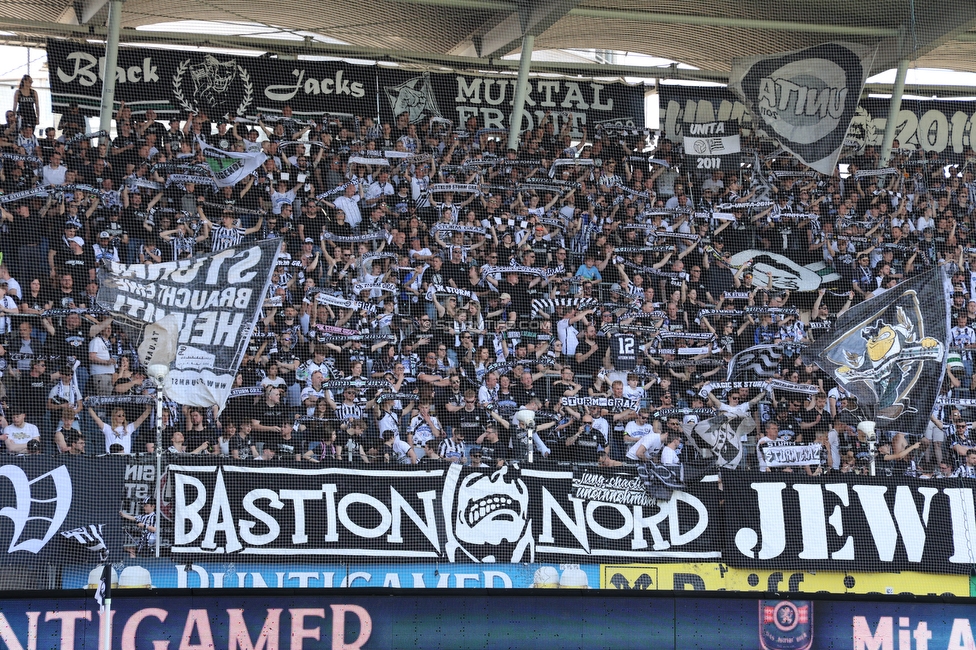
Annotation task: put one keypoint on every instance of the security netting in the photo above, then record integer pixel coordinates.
(610, 345)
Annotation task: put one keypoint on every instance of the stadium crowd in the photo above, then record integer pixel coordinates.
(432, 284)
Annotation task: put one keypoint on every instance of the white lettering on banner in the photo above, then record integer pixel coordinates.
(84, 72)
(328, 579)
(320, 517)
(710, 128)
(886, 524)
(221, 520)
(312, 86)
(476, 95)
(68, 626)
(776, 95)
(27, 492)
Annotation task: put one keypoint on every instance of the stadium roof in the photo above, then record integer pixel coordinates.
(477, 33)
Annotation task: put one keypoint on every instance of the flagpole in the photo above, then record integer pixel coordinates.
(103, 596)
(107, 623)
(158, 371)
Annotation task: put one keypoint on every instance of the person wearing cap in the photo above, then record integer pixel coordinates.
(19, 432)
(476, 458)
(145, 524)
(104, 250)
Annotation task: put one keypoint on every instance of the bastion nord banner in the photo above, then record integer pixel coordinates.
(453, 514)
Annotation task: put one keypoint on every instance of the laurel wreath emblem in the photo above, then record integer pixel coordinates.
(190, 108)
(248, 91)
(178, 86)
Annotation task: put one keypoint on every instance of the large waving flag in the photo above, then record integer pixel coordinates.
(806, 99)
(195, 316)
(890, 351)
(231, 167)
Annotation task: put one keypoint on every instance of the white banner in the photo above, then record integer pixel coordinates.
(195, 316)
(242, 165)
(791, 455)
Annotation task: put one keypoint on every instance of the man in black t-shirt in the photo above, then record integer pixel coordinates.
(268, 416)
(199, 434)
(455, 271)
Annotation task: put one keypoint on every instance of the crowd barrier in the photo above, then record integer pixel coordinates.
(271, 524)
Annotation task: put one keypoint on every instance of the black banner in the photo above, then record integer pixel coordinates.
(890, 352)
(940, 125)
(175, 82)
(55, 509)
(921, 126)
(846, 522)
(452, 514)
(458, 96)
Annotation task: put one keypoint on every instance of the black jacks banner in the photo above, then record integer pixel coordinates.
(174, 82)
(449, 514)
(844, 522)
(458, 97)
(177, 82)
(56, 510)
(943, 126)
(195, 315)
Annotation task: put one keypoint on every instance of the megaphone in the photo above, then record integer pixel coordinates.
(526, 418)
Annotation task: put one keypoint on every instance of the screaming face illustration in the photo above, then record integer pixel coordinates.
(212, 78)
(490, 509)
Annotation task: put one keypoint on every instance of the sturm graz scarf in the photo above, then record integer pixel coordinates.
(458, 188)
(371, 236)
(443, 288)
(369, 286)
(609, 402)
(343, 303)
(21, 158)
(450, 227)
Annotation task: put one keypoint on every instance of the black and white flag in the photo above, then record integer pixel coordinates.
(757, 361)
(890, 351)
(806, 99)
(103, 594)
(194, 316)
(720, 437)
